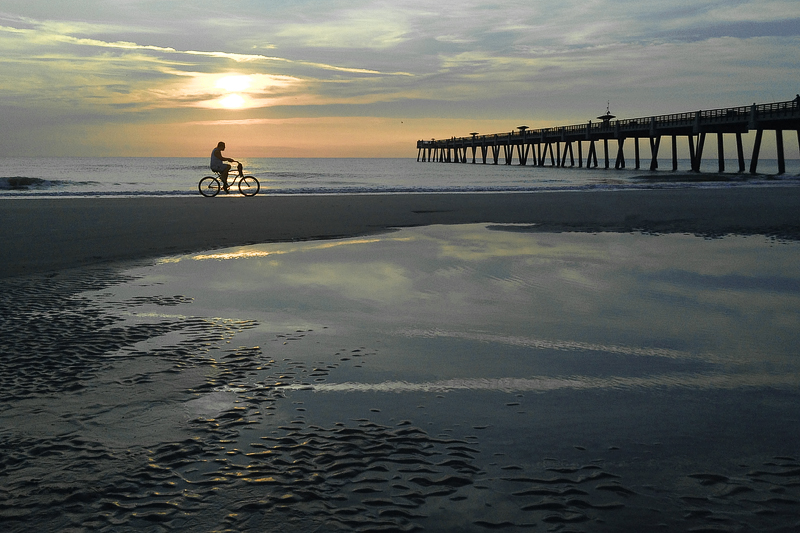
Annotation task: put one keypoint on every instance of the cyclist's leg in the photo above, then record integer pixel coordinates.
(224, 174)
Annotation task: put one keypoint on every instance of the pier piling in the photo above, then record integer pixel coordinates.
(537, 145)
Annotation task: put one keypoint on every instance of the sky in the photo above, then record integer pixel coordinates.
(368, 78)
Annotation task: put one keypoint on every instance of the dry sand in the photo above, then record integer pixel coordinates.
(42, 235)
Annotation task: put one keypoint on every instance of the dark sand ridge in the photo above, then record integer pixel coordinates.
(41, 235)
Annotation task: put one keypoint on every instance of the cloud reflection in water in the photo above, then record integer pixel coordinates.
(570, 309)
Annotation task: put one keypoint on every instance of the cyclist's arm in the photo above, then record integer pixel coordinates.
(218, 155)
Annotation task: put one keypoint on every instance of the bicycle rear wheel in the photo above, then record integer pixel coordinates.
(209, 186)
(249, 186)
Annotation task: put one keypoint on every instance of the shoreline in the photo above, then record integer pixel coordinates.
(50, 234)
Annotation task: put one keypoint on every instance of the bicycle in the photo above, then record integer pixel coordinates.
(210, 186)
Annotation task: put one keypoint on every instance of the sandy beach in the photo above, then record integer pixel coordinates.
(50, 234)
(594, 362)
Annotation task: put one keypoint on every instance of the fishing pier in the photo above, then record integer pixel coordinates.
(560, 145)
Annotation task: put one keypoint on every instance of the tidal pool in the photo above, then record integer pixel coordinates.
(446, 378)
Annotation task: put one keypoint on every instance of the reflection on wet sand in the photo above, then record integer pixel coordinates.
(691, 381)
(441, 378)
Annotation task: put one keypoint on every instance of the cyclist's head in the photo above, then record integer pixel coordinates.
(221, 145)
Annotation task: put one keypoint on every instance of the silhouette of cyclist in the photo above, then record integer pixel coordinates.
(218, 164)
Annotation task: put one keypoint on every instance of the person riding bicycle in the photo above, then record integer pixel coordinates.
(218, 164)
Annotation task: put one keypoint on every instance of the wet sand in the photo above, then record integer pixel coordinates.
(496, 376)
(50, 234)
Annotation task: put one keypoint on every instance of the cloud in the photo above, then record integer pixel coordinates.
(378, 27)
(763, 11)
(558, 60)
(83, 67)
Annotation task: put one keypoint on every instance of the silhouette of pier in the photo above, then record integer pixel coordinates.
(560, 145)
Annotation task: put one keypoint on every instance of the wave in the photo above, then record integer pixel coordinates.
(25, 183)
(36, 187)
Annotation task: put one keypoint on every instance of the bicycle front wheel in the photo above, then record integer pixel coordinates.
(209, 186)
(249, 186)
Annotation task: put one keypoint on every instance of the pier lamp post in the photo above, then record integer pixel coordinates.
(522, 150)
(606, 125)
(607, 117)
(473, 133)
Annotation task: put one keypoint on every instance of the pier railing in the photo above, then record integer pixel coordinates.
(777, 116)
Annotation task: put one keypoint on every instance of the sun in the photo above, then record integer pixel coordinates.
(233, 84)
(232, 101)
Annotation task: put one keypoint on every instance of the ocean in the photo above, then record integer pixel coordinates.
(157, 176)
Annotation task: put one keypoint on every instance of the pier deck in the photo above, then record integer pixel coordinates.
(545, 144)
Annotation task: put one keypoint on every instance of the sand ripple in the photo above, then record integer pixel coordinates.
(248, 458)
(59, 339)
(358, 476)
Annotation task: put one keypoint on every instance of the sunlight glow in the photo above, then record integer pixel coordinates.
(232, 101)
(244, 254)
(234, 84)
